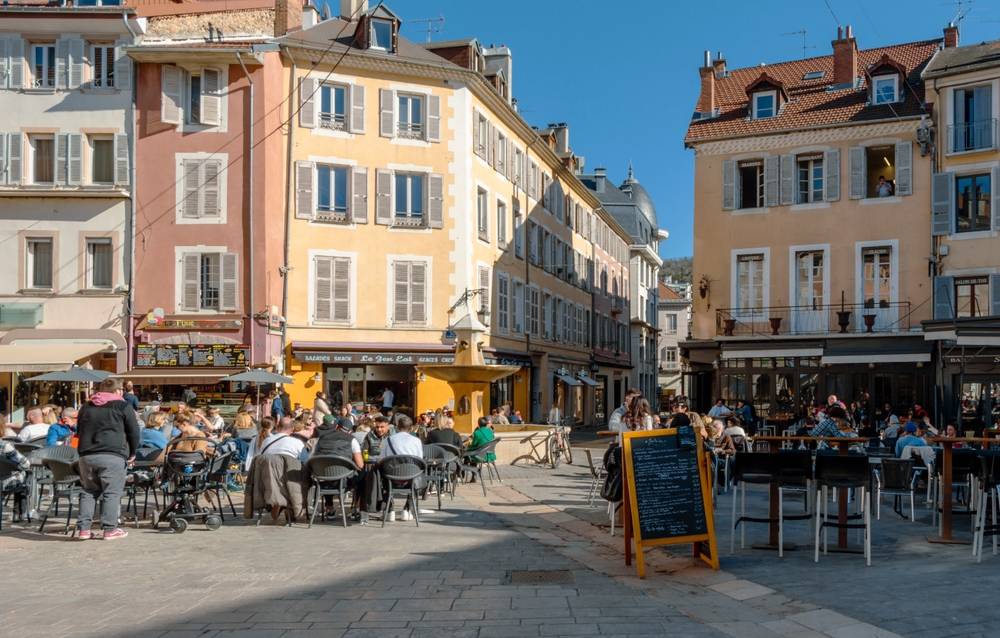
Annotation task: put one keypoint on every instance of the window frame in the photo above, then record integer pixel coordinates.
(92, 159)
(501, 209)
(30, 259)
(106, 80)
(757, 97)
(48, 64)
(373, 41)
(483, 214)
(204, 260)
(879, 79)
(973, 228)
(331, 119)
(972, 282)
(759, 165)
(408, 216)
(33, 138)
(332, 211)
(812, 162)
(89, 270)
(410, 129)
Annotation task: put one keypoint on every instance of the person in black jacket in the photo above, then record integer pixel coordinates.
(109, 436)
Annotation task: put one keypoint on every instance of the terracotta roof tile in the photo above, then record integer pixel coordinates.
(669, 294)
(810, 103)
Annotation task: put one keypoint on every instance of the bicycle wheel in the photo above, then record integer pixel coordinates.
(566, 450)
(553, 452)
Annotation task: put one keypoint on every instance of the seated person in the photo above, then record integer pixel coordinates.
(733, 427)
(361, 430)
(334, 439)
(215, 421)
(34, 426)
(304, 429)
(516, 418)
(445, 433)
(152, 435)
(911, 436)
(374, 441)
(190, 439)
(834, 424)
(482, 435)
(282, 441)
(62, 432)
(867, 429)
(403, 441)
(498, 418)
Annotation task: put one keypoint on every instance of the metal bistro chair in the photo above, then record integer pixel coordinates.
(989, 498)
(754, 468)
(834, 472)
(7, 469)
(454, 465)
(144, 474)
(597, 476)
(65, 484)
(329, 476)
(399, 478)
(218, 478)
(469, 464)
(894, 478)
(42, 476)
(439, 472)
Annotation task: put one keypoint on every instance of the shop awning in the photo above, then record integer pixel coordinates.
(876, 351)
(47, 356)
(587, 380)
(766, 352)
(967, 331)
(567, 379)
(177, 376)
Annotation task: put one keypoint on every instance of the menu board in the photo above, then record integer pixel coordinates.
(171, 355)
(669, 493)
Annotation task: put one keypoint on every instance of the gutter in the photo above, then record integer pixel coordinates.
(289, 195)
(251, 305)
(130, 231)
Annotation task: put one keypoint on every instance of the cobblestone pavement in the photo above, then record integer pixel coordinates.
(526, 560)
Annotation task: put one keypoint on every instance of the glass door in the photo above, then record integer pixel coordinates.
(809, 314)
(876, 276)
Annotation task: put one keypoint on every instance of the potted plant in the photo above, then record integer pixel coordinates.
(775, 325)
(843, 315)
(869, 322)
(728, 326)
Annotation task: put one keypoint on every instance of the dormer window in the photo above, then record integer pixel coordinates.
(765, 104)
(381, 34)
(885, 89)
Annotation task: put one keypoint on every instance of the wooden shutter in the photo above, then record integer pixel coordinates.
(191, 282)
(211, 97)
(387, 113)
(435, 201)
(323, 305)
(859, 172)
(942, 203)
(121, 159)
(305, 205)
(995, 195)
(944, 297)
(123, 66)
(170, 94)
(229, 282)
(787, 180)
(831, 175)
(400, 292)
(75, 61)
(342, 289)
(62, 63)
(15, 145)
(16, 52)
(484, 284)
(191, 176)
(359, 195)
(728, 184)
(307, 102)
(4, 71)
(211, 188)
(383, 197)
(74, 156)
(62, 158)
(772, 174)
(357, 123)
(904, 168)
(433, 118)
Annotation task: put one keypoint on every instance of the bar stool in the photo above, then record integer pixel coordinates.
(850, 472)
(795, 472)
(989, 487)
(755, 468)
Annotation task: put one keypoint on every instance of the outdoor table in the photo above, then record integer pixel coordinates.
(843, 444)
(947, 447)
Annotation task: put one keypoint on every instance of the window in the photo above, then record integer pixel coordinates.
(518, 231)
(972, 205)
(501, 153)
(409, 293)
(43, 159)
(501, 224)
(333, 106)
(880, 162)
(519, 167)
(764, 105)
(814, 75)
(202, 189)
(100, 263)
(102, 64)
(503, 302)
(39, 267)
(194, 99)
(483, 214)
(410, 113)
(381, 34)
(972, 296)
(669, 356)
(809, 277)
(751, 175)
(208, 282)
(409, 196)
(974, 127)
(749, 282)
(332, 289)
(102, 160)
(671, 324)
(885, 88)
(876, 274)
(482, 135)
(204, 104)
(210, 279)
(331, 183)
(43, 57)
(810, 179)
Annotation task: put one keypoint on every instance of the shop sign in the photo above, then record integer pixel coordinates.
(193, 324)
(377, 358)
(170, 355)
(505, 361)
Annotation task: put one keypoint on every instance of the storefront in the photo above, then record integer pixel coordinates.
(969, 371)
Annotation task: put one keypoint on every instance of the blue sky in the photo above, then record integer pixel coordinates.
(624, 76)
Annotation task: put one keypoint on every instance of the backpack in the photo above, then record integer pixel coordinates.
(612, 488)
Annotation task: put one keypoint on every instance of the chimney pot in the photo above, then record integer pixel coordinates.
(708, 58)
(950, 35)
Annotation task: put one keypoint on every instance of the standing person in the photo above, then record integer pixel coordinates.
(388, 399)
(189, 396)
(615, 421)
(109, 437)
(277, 406)
(321, 407)
(129, 396)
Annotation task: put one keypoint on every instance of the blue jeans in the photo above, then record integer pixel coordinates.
(102, 476)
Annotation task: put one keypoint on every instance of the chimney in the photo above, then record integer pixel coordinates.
(951, 35)
(719, 65)
(353, 9)
(706, 101)
(287, 16)
(600, 177)
(501, 56)
(845, 58)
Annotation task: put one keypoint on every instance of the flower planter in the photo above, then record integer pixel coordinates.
(869, 322)
(728, 326)
(775, 325)
(843, 320)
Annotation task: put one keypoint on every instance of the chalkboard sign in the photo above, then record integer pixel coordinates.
(669, 493)
(214, 355)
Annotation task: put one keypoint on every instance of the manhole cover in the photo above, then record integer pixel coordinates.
(540, 577)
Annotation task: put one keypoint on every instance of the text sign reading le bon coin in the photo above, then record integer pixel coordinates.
(669, 491)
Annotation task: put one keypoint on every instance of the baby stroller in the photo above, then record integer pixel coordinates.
(187, 478)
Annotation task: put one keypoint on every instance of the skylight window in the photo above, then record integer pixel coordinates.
(814, 75)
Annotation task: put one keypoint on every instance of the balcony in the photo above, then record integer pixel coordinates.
(333, 121)
(411, 130)
(819, 319)
(980, 135)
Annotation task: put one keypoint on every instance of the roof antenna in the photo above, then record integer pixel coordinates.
(962, 9)
(805, 47)
(434, 25)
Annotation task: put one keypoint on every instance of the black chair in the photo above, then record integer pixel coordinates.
(144, 474)
(754, 468)
(894, 477)
(217, 480)
(399, 478)
(19, 491)
(439, 463)
(42, 476)
(27, 447)
(835, 472)
(475, 467)
(329, 475)
(65, 484)
(965, 468)
(455, 465)
(989, 499)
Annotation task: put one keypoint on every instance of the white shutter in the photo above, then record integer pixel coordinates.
(357, 124)
(307, 102)
(170, 94)
(121, 159)
(123, 66)
(211, 188)
(230, 282)
(387, 113)
(341, 302)
(418, 292)
(383, 197)
(831, 175)
(211, 97)
(15, 145)
(323, 304)
(191, 282)
(16, 52)
(191, 176)
(75, 159)
(772, 172)
(435, 201)
(787, 180)
(859, 173)
(3, 156)
(728, 184)
(305, 203)
(433, 118)
(62, 63)
(904, 168)
(62, 158)
(359, 195)
(400, 292)
(4, 72)
(75, 70)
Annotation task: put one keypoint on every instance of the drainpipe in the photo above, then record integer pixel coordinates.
(289, 186)
(250, 275)
(130, 230)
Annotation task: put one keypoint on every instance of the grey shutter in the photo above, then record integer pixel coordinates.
(772, 172)
(859, 173)
(433, 118)
(3, 157)
(787, 180)
(400, 292)
(387, 112)
(942, 203)
(484, 284)
(62, 63)
(323, 304)
(74, 157)
(62, 158)
(230, 282)
(121, 159)
(383, 197)
(904, 168)
(435, 201)
(304, 202)
(995, 194)
(944, 297)
(75, 61)
(728, 184)
(191, 282)
(16, 51)
(307, 102)
(359, 195)
(4, 70)
(211, 99)
(995, 295)
(170, 94)
(357, 108)
(123, 66)
(341, 289)
(831, 175)
(15, 145)
(211, 188)
(491, 155)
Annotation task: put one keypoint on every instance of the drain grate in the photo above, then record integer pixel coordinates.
(541, 577)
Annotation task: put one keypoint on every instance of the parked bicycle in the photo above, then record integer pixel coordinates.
(557, 444)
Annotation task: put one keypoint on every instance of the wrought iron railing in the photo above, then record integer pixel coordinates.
(978, 135)
(882, 317)
(411, 130)
(335, 121)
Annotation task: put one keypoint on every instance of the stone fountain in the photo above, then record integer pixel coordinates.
(470, 375)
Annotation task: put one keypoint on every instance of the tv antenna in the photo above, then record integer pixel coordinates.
(433, 25)
(962, 9)
(802, 33)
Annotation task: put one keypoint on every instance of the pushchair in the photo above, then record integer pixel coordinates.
(187, 478)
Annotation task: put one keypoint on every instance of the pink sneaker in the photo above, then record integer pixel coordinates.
(84, 535)
(115, 533)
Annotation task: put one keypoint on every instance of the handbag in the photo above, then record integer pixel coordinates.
(612, 488)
